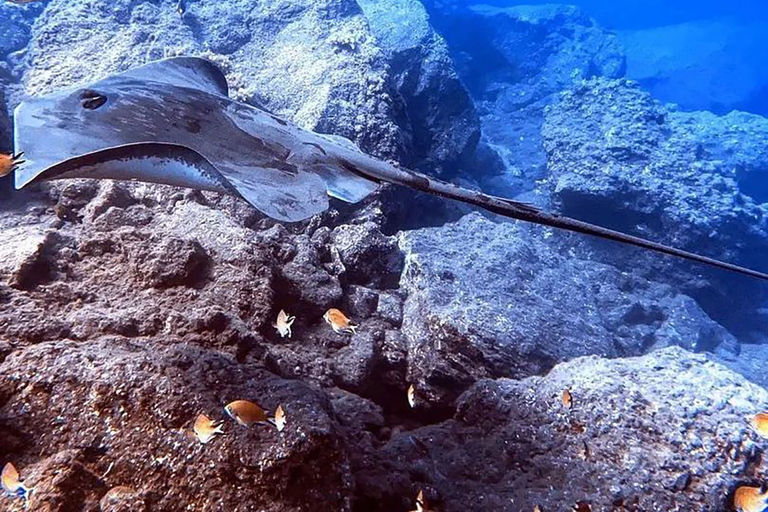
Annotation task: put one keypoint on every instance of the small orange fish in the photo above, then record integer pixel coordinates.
(339, 322)
(750, 499)
(248, 413)
(284, 323)
(421, 503)
(11, 483)
(280, 419)
(206, 429)
(567, 398)
(8, 163)
(759, 423)
(412, 396)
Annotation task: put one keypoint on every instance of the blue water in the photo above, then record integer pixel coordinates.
(639, 14)
(708, 55)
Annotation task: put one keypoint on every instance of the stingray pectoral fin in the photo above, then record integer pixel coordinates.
(287, 197)
(153, 162)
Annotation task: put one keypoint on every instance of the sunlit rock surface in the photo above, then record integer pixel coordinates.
(490, 299)
(443, 121)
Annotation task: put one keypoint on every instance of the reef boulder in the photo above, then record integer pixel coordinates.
(667, 431)
(513, 60)
(444, 125)
(619, 158)
(487, 299)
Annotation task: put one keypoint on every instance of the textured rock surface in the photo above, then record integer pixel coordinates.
(617, 157)
(443, 121)
(513, 60)
(118, 412)
(490, 300)
(662, 432)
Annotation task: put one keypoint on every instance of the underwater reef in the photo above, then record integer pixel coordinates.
(127, 309)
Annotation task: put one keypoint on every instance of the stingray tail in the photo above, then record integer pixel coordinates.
(526, 212)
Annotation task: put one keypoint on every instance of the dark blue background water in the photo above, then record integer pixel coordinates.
(701, 55)
(634, 14)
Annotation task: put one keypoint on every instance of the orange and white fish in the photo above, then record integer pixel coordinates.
(284, 323)
(567, 398)
(750, 499)
(339, 322)
(248, 413)
(421, 503)
(412, 396)
(280, 419)
(206, 429)
(759, 423)
(11, 483)
(8, 163)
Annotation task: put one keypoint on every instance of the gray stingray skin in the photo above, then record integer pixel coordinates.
(178, 110)
(172, 122)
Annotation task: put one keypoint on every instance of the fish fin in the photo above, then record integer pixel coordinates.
(106, 163)
(190, 72)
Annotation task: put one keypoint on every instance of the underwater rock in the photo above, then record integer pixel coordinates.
(80, 281)
(368, 256)
(15, 25)
(694, 180)
(513, 60)
(490, 299)
(638, 431)
(443, 122)
(123, 411)
(307, 281)
(172, 262)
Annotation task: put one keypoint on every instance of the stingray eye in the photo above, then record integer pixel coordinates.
(92, 100)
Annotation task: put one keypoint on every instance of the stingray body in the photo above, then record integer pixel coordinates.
(172, 122)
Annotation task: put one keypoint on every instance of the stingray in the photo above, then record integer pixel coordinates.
(172, 122)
